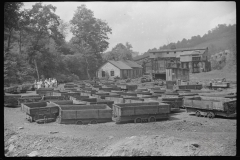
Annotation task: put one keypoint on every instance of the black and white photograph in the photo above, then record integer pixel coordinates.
(120, 79)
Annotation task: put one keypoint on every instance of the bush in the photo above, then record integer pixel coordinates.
(16, 68)
(217, 65)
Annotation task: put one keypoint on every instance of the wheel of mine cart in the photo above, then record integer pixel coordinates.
(213, 115)
(34, 118)
(152, 119)
(79, 122)
(138, 120)
(30, 119)
(198, 114)
(93, 122)
(210, 115)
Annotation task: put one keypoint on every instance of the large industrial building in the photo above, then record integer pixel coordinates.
(194, 59)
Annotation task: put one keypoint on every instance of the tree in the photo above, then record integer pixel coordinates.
(63, 28)
(11, 19)
(128, 46)
(90, 34)
(120, 52)
(42, 26)
(16, 68)
(173, 46)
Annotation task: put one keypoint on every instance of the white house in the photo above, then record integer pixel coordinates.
(121, 69)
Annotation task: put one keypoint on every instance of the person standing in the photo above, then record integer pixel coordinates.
(56, 82)
(51, 83)
(39, 84)
(43, 84)
(46, 83)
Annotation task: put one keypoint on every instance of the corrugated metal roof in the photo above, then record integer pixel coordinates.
(132, 64)
(120, 65)
(178, 50)
(197, 52)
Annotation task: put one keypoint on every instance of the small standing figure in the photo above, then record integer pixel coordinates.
(56, 82)
(39, 83)
(50, 83)
(42, 83)
(46, 83)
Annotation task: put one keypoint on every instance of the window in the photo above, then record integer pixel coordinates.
(112, 73)
(103, 73)
(196, 58)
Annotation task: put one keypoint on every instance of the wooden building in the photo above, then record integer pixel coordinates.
(175, 73)
(136, 68)
(122, 69)
(193, 59)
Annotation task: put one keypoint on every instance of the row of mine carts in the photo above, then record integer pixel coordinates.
(88, 102)
(17, 89)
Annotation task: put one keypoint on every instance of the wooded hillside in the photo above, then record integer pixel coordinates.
(222, 37)
(35, 46)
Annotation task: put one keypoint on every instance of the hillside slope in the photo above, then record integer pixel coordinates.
(229, 71)
(218, 44)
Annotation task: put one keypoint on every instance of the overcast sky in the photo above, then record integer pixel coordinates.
(146, 25)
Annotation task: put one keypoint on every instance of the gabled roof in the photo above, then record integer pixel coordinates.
(120, 64)
(131, 64)
(141, 57)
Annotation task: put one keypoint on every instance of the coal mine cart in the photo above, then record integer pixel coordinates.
(211, 106)
(84, 114)
(140, 112)
(40, 111)
(175, 102)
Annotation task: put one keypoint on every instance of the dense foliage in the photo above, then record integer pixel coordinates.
(35, 46)
(120, 52)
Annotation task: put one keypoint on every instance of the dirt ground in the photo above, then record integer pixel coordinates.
(183, 134)
(229, 73)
